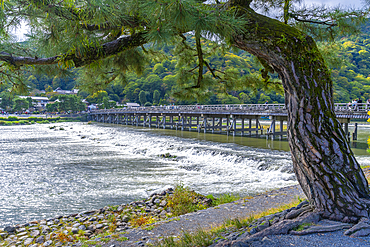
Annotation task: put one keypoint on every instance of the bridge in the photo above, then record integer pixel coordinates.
(241, 119)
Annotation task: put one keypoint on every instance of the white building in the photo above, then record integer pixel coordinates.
(39, 102)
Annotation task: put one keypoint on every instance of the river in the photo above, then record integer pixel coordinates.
(45, 171)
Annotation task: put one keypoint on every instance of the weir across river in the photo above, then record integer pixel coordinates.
(241, 119)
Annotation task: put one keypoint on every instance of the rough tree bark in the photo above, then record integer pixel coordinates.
(323, 162)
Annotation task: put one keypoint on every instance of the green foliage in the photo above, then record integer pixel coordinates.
(142, 97)
(156, 96)
(199, 67)
(183, 201)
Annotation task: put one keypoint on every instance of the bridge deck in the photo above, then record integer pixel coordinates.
(221, 118)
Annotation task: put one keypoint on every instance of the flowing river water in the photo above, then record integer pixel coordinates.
(45, 172)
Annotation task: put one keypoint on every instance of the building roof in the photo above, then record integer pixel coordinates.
(132, 105)
(34, 97)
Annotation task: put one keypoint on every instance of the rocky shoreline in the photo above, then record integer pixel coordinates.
(102, 224)
(146, 222)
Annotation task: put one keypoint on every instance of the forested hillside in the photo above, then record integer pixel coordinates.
(157, 83)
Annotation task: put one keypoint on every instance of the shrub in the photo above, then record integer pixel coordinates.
(183, 201)
(11, 118)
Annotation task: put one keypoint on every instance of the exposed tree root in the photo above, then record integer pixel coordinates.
(306, 216)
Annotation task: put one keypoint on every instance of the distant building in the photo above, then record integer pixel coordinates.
(60, 91)
(39, 102)
(92, 107)
(132, 105)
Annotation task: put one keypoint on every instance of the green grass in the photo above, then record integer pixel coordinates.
(121, 239)
(225, 198)
(200, 238)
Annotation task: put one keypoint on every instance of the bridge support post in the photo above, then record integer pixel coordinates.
(205, 124)
(234, 125)
(213, 125)
(354, 134)
(242, 133)
(227, 124)
(281, 128)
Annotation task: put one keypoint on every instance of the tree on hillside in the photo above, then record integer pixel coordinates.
(142, 98)
(108, 40)
(20, 104)
(156, 97)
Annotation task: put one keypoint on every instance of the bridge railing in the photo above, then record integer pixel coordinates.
(232, 108)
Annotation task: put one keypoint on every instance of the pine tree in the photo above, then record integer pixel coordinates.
(108, 38)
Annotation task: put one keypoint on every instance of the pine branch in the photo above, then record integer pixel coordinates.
(327, 23)
(89, 56)
(212, 70)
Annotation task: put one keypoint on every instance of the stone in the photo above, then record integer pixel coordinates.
(47, 243)
(35, 233)
(28, 241)
(33, 245)
(93, 219)
(157, 201)
(163, 203)
(45, 229)
(99, 226)
(125, 219)
(88, 233)
(40, 239)
(21, 234)
(76, 225)
(43, 222)
(91, 228)
(9, 229)
(74, 230)
(21, 229)
(82, 227)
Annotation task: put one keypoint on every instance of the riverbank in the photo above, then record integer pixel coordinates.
(138, 223)
(118, 225)
(13, 120)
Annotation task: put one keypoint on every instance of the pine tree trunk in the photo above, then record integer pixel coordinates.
(323, 162)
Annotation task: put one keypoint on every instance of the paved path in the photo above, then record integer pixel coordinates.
(212, 217)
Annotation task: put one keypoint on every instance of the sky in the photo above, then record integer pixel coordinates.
(347, 3)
